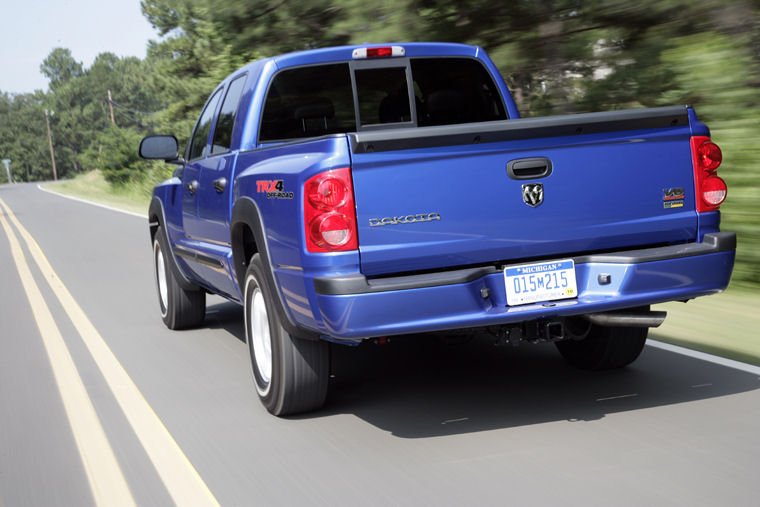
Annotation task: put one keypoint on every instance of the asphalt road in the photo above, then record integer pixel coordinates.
(415, 422)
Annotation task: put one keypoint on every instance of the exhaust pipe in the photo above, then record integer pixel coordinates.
(627, 318)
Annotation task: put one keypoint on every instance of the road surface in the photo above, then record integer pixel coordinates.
(100, 404)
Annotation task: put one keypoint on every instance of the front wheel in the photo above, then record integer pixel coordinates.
(180, 308)
(605, 348)
(290, 374)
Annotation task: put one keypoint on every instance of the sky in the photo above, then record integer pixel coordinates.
(31, 29)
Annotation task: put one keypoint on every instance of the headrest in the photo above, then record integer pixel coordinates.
(317, 108)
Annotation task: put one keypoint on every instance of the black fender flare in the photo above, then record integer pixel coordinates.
(156, 209)
(245, 213)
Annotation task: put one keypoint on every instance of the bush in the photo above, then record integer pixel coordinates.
(114, 152)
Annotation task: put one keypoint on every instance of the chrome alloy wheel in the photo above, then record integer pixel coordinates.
(260, 341)
(161, 282)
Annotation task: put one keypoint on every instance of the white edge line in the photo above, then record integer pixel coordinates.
(730, 363)
(92, 203)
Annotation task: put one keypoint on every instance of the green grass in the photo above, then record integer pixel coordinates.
(726, 324)
(134, 197)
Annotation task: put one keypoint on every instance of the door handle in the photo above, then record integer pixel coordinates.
(220, 184)
(192, 187)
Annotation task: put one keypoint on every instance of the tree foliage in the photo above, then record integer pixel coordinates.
(60, 67)
(558, 56)
(21, 139)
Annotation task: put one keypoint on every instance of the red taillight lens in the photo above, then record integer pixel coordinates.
(710, 155)
(329, 214)
(710, 188)
(328, 192)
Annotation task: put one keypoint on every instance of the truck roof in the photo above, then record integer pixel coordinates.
(344, 53)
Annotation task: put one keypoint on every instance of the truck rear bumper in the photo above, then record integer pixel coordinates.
(353, 306)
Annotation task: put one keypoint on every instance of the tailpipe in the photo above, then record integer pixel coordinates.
(627, 318)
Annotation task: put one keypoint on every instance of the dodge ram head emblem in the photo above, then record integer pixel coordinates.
(533, 194)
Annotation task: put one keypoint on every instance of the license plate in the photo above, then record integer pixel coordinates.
(543, 281)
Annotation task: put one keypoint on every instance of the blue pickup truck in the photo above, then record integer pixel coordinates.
(349, 193)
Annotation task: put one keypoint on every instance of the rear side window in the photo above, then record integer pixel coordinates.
(203, 127)
(454, 90)
(308, 102)
(223, 131)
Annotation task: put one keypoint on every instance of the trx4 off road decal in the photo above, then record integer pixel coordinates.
(275, 189)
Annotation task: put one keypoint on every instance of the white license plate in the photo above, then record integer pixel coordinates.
(543, 281)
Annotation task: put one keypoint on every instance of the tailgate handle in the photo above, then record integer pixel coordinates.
(529, 168)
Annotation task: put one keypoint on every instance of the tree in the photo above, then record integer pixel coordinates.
(79, 98)
(23, 136)
(60, 67)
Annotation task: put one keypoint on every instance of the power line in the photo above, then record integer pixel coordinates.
(124, 111)
(139, 123)
(125, 108)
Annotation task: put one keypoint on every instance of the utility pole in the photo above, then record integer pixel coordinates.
(110, 105)
(50, 141)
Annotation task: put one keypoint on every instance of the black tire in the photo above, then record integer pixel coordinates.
(290, 373)
(605, 348)
(180, 308)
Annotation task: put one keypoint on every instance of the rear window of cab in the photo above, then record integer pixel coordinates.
(354, 96)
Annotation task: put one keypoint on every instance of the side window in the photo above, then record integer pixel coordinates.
(308, 102)
(203, 127)
(223, 132)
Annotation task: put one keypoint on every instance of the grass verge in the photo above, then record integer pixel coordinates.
(91, 186)
(725, 324)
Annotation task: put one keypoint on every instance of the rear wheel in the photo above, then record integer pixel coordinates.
(290, 373)
(180, 308)
(605, 347)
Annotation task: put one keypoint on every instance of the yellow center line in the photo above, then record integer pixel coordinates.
(182, 481)
(104, 475)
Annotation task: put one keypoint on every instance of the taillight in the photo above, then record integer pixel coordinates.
(710, 188)
(329, 214)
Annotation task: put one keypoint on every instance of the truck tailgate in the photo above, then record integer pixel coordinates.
(434, 197)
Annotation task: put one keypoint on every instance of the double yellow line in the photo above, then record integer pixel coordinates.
(106, 479)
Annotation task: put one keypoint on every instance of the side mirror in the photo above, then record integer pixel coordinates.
(159, 148)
